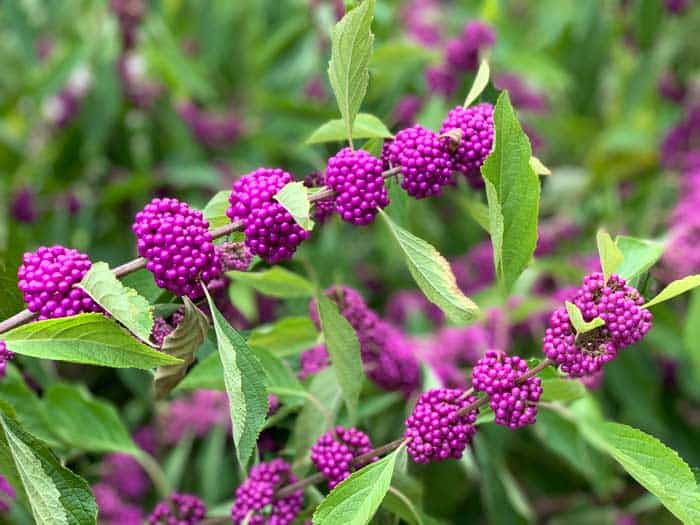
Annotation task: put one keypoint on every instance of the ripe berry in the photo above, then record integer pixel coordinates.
(255, 498)
(424, 159)
(324, 208)
(272, 233)
(476, 126)
(356, 177)
(5, 356)
(255, 189)
(334, 451)
(175, 240)
(179, 509)
(313, 361)
(47, 278)
(435, 431)
(234, 256)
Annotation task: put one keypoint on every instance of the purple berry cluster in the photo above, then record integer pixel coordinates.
(255, 497)
(5, 356)
(8, 494)
(435, 431)
(424, 159)
(322, 209)
(356, 177)
(254, 190)
(312, 361)
(176, 242)
(626, 323)
(234, 256)
(47, 279)
(178, 509)
(23, 207)
(477, 129)
(112, 509)
(334, 451)
(682, 257)
(214, 129)
(514, 404)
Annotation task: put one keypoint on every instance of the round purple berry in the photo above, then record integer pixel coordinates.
(161, 329)
(356, 177)
(272, 233)
(176, 242)
(324, 208)
(253, 190)
(255, 498)
(435, 430)
(5, 356)
(312, 361)
(179, 509)
(47, 278)
(334, 451)
(234, 256)
(476, 127)
(424, 159)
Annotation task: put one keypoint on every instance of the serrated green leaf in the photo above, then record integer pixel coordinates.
(215, 210)
(674, 289)
(351, 48)
(294, 197)
(344, 351)
(562, 390)
(73, 411)
(434, 276)
(638, 255)
(580, 325)
(122, 303)
(276, 282)
(538, 167)
(481, 80)
(513, 195)
(143, 282)
(56, 495)
(288, 336)
(356, 500)
(611, 258)
(182, 343)
(655, 466)
(367, 126)
(89, 339)
(245, 385)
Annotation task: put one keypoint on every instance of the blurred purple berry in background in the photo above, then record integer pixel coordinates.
(24, 207)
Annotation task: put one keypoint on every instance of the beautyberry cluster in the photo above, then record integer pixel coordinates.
(514, 405)
(476, 126)
(424, 159)
(255, 497)
(47, 279)
(324, 208)
(5, 356)
(435, 431)
(334, 451)
(356, 177)
(234, 256)
(178, 509)
(176, 242)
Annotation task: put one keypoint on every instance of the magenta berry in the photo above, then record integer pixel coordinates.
(496, 372)
(5, 356)
(161, 329)
(435, 430)
(424, 159)
(272, 233)
(312, 361)
(389, 359)
(178, 509)
(356, 177)
(234, 256)
(175, 240)
(255, 498)
(253, 190)
(476, 126)
(8, 494)
(47, 278)
(324, 208)
(334, 451)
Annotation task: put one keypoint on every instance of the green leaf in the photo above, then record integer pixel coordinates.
(538, 167)
(351, 48)
(294, 197)
(56, 495)
(674, 289)
(215, 210)
(122, 303)
(367, 126)
(182, 343)
(86, 423)
(481, 80)
(638, 255)
(143, 282)
(245, 385)
(288, 336)
(580, 325)
(32, 416)
(208, 374)
(513, 195)
(562, 390)
(276, 282)
(611, 258)
(89, 339)
(655, 466)
(402, 506)
(12, 301)
(356, 500)
(434, 276)
(344, 351)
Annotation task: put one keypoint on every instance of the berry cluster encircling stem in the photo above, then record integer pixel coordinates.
(179, 509)
(334, 451)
